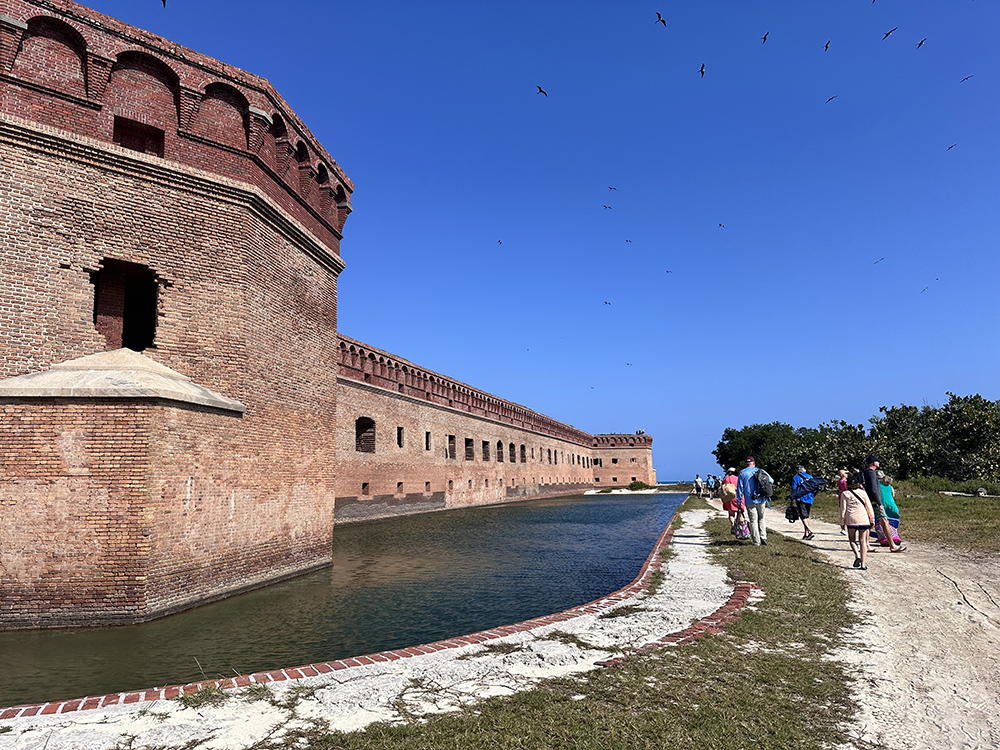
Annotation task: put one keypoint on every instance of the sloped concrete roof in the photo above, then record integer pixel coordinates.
(121, 373)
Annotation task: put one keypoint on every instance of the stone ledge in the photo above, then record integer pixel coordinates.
(119, 374)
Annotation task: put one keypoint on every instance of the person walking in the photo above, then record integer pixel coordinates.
(874, 492)
(727, 493)
(841, 487)
(747, 500)
(858, 516)
(890, 507)
(698, 484)
(804, 503)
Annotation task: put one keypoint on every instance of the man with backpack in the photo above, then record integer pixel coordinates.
(753, 490)
(803, 502)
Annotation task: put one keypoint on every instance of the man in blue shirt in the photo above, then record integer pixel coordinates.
(747, 500)
(805, 502)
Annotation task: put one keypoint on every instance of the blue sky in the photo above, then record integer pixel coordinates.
(782, 314)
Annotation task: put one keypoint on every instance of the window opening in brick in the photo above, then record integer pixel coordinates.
(524, 454)
(512, 453)
(550, 455)
(427, 441)
(427, 488)
(614, 479)
(399, 437)
(451, 446)
(137, 136)
(499, 451)
(633, 479)
(614, 460)
(597, 479)
(632, 460)
(486, 450)
(470, 449)
(125, 301)
(365, 490)
(364, 434)
(399, 488)
(451, 485)
(470, 484)
(487, 483)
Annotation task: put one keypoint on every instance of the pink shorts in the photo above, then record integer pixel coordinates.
(730, 506)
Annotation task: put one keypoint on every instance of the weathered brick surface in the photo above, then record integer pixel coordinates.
(622, 459)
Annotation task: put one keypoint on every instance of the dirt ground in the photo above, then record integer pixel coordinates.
(927, 650)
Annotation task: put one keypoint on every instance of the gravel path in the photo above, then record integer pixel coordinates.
(928, 646)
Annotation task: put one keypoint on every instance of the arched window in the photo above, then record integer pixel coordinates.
(500, 451)
(512, 451)
(550, 455)
(52, 54)
(364, 435)
(524, 454)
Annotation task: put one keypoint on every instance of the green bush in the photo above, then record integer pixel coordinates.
(635, 486)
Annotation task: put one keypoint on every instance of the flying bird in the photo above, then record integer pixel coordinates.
(629, 364)
(660, 19)
(629, 241)
(878, 261)
(164, 3)
(669, 271)
(831, 98)
(611, 188)
(607, 303)
(826, 47)
(763, 39)
(921, 42)
(924, 289)
(951, 147)
(542, 91)
(499, 242)
(889, 33)
(722, 225)
(966, 79)
(702, 71)
(607, 207)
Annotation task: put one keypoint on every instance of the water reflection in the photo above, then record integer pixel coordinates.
(394, 583)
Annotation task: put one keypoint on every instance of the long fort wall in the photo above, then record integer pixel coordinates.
(155, 200)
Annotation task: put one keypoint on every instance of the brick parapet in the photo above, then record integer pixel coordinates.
(223, 120)
(743, 593)
(366, 364)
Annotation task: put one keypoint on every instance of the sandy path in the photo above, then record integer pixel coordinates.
(694, 587)
(928, 646)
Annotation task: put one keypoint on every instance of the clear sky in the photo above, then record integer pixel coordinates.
(857, 265)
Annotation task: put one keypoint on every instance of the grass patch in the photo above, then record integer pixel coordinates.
(5, 729)
(494, 648)
(657, 578)
(766, 683)
(571, 640)
(256, 692)
(971, 524)
(208, 696)
(623, 611)
(694, 502)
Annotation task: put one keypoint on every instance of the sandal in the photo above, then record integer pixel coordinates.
(863, 567)
(898, 549)
(857, 562)
(810, 536)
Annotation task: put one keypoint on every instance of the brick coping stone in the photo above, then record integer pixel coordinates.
(713, 623)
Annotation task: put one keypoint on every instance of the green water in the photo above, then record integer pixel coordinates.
(393, 583)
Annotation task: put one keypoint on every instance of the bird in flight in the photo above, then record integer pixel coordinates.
(629, 364)
(629, 241)
(924, 289)
(499, 242)
(965, 79)
(607, 303)
(831, 98)
(889, 33)
(763, 39)
(542, 91)
(878, 261)
(722, 225)
(669, 271)
(951, 147)
(611, 188)
(826, 47)
(921, 42)
(702, 71)
(660, 19)
(608, 208)
(164, 3)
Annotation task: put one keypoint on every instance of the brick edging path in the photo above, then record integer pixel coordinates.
(713, 623)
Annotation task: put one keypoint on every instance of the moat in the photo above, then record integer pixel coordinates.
(393, 583)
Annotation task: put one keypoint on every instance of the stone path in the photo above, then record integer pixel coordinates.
(927, 651)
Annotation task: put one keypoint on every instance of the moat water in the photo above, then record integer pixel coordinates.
(393, 583)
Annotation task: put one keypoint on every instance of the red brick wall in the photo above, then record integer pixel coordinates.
(622, 457)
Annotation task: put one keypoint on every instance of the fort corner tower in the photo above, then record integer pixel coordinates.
(170, 235)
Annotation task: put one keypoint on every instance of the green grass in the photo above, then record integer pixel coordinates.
(209, 696)
(971, 524)
(491, 649)
(766, 683)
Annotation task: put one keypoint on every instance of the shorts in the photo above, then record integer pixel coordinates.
(804, 508)
(878, 510)
(730, 506)
(866, 527)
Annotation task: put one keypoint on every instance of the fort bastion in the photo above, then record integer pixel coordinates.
(180, 419)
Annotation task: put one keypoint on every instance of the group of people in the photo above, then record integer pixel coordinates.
(866, 498)
(867, 502)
